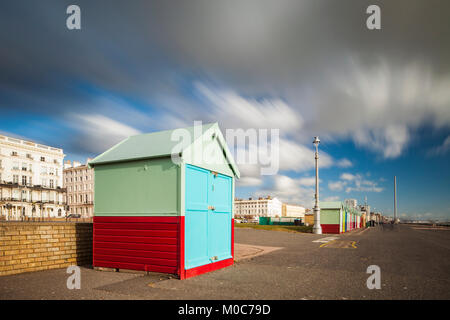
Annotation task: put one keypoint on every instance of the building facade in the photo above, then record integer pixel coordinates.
(79, 185)
(292, 210)
(31, 184)
(353, 203)
(261, 207)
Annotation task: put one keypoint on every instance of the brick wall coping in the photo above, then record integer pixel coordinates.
(42, 223)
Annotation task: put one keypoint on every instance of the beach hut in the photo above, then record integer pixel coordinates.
(164, 202)
(333, 218)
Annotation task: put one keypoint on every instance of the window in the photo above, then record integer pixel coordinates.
(30, 180)
(44, 182)
(14, 153)
(15, 178)
(15, 165)
(51, 183)
(24, 166)
(24, 180)
(43, 159)
(51, 171)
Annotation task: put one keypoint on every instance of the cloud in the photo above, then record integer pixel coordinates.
(308, 181)
(354, 183)
(332, 198)
(348, 176)
(336, 185)
(249, 182)
(297, 157)
(390, 141)
(442, 149)
(97, 133)
(289, 190)
(342, 85)
(344, 163)
(237, 111)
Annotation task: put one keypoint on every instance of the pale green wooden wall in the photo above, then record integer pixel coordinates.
(329, 216)
(137, 188)
(206, 152)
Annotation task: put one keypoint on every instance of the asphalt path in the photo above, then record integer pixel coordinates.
(414, 264)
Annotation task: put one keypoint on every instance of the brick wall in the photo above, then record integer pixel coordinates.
(35, 246)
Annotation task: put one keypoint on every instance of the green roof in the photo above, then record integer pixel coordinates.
(157, 144)
(330, 205)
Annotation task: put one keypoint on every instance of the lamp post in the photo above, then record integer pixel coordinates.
(317, 229)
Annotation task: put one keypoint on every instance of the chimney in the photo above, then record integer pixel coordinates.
(67, 164)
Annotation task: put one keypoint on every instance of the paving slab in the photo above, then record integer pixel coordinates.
(246, 251)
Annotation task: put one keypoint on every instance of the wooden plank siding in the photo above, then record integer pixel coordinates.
(138, 243)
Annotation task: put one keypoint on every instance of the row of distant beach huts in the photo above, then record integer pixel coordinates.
(335, 217)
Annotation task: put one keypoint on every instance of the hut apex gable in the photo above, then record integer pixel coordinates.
(162, 144)
(210, 151)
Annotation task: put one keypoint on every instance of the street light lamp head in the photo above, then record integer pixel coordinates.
(316, 141)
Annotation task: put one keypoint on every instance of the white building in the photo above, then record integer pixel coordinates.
(261, 207)
(351, 203)
(30, 180)
(79, 185)
(293, 210)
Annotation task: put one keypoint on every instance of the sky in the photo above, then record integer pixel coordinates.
(378, 99)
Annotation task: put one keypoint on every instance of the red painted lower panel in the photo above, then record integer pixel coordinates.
(330, 228)
(137, 243)
(207, 268)
(153, 244)
(180, 270)
(136, 266)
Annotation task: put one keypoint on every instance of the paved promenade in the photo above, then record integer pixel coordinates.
(414, 264)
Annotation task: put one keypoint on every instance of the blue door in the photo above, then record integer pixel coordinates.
(207, 217)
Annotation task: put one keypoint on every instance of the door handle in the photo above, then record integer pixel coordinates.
(211, 208)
